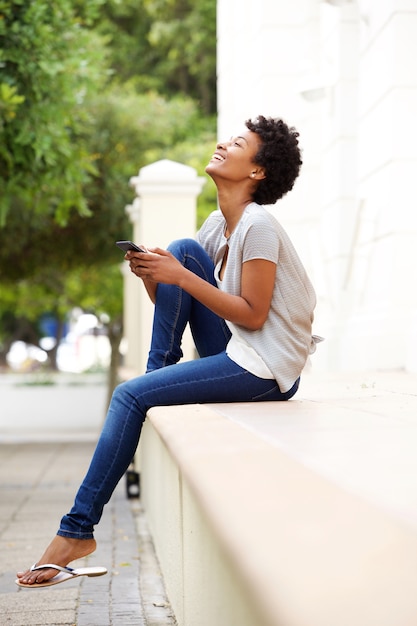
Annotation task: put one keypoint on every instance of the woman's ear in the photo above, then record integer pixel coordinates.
(258, 173)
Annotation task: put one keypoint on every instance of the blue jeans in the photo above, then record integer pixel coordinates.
(211, 378)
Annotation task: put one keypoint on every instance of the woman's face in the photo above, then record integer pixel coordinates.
(234, 159)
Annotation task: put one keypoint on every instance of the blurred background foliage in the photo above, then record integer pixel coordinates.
(89, 94)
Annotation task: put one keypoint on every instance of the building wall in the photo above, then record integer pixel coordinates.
(343, 72)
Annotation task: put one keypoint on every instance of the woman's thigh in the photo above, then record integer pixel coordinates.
(210, 379)
(209, 331)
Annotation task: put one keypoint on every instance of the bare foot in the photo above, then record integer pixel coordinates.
(60, 551)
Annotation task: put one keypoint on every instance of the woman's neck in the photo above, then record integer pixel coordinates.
(232, 206)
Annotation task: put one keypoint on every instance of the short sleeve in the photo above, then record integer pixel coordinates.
(261, 241)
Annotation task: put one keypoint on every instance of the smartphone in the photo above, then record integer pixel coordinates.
(129, 245)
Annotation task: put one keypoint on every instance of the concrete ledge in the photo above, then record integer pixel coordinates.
(249, 535)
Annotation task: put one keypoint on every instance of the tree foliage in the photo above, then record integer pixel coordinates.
(122, 139)
(170, 44)
(50, 62)
(89, 94)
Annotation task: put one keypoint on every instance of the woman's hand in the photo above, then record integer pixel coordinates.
(249, 309)
(156, 265)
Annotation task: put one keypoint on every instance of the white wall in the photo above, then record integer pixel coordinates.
(343, 72)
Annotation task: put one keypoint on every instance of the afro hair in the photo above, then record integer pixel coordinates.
(279, 156)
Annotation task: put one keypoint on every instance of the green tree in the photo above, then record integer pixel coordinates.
(129, 131)
(50, 62)
(164, 45)
(72, 133)
(39, 258)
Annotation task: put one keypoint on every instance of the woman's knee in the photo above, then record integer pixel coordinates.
(193, 256)
(124, 393)
(181, 247)
(118, 394)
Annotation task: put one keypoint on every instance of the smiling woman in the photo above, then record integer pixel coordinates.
(237, 158)
(241, 287)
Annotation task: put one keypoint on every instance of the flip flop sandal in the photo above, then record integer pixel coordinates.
(65, 573)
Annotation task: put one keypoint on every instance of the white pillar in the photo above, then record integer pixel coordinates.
(164, 210)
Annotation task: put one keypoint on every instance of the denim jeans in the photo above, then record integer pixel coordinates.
(211, 378)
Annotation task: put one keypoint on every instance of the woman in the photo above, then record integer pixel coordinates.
(243, 290)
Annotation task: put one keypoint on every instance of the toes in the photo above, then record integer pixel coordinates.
(30, 578)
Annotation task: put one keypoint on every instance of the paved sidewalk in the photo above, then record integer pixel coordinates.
(37, 485)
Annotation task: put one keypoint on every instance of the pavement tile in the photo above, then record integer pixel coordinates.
(31, 504)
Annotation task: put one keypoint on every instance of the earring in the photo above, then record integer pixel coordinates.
(253, 174)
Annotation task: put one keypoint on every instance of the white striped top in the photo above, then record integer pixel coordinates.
(285, 340)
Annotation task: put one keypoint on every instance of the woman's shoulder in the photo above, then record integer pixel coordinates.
(214, 219)
(257, 214)
(213, 226)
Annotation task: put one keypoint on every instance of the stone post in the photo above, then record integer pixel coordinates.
(164, 209)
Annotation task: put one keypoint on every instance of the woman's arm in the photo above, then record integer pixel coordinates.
(249, 309)
(150, 287)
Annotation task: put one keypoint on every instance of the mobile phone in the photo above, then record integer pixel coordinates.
(129, 245)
